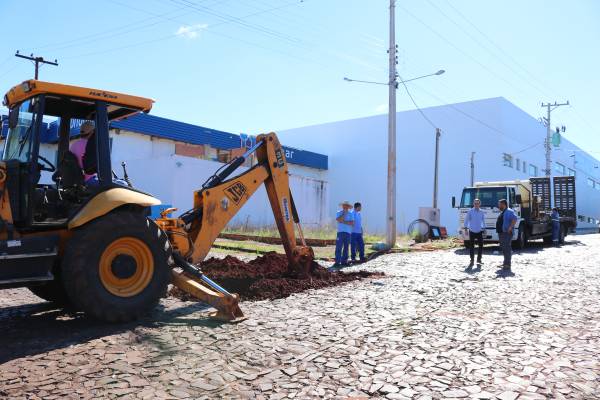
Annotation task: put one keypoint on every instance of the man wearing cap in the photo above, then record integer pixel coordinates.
(78, 147)
(345, 222)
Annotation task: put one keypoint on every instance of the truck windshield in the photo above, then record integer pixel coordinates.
(489, 196)
(18, 142)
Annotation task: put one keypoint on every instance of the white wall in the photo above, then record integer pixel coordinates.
(357, 151)
(154, 167)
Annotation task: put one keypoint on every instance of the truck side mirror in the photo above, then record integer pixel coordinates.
(13, 117)
(453, 202)
(518, 199)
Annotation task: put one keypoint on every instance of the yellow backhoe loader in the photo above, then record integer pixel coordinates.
(90, 242)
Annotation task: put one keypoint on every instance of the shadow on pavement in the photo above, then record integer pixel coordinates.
(531, 248)
(32, 329)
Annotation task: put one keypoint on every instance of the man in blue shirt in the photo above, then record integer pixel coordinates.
(345, 222)
(505, 226)
(475, 225)
(357, 244)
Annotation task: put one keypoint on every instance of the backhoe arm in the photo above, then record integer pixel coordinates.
(220, 199)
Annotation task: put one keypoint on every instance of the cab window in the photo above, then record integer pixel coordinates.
(20, 132)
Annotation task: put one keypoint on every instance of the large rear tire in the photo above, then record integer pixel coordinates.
(521, 241)
(116, 267)
(52, 291)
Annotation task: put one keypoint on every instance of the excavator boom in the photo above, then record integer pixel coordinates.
(216, 203)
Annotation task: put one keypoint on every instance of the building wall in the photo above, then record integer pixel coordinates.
(357, 152)
(154, 167)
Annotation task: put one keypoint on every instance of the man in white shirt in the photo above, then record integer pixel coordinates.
(475, 225)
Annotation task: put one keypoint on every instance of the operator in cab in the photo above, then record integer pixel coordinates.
(475, 225)
(81, 147)
(505, 226)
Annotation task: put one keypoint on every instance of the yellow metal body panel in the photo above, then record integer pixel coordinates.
(5, 210)
(31, 88)
(107, 201)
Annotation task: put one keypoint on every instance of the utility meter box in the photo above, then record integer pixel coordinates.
(431, 215)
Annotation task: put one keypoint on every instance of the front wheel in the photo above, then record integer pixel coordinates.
(521, 241)
(116, 267)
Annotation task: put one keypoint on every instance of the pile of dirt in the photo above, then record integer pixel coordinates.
(267, 277)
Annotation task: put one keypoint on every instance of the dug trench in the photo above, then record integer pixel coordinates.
(267, 277)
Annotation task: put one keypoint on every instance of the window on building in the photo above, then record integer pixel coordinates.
(533, 170)
(559, 168)
(524, 167)
(571, 172)
(518, 164)
(508, 160)
(590, 182)
(590, 220)
(581, 218)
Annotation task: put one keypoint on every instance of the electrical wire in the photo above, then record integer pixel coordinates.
(415, 103)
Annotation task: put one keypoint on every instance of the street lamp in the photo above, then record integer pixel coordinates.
(391, 178)
(440, 72)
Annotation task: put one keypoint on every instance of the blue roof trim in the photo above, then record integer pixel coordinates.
(178, 131)
(187, 133)
(195, 134)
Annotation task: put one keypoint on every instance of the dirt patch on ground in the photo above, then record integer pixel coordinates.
(267, 277)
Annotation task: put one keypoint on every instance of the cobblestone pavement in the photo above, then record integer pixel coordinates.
(428, 330)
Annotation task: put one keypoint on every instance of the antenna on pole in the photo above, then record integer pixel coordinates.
(37, 60)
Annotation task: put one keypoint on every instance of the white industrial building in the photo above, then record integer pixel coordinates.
(348, 161)
(508, 144)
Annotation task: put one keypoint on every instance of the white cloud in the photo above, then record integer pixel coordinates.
(190, 31)
(382, 108)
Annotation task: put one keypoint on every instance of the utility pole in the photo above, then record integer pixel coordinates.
(550, 107)
(391, 176)
(472, 168)
(37, 60)
(438, 133)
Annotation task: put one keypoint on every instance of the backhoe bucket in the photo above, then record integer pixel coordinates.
(211, 293)
(301, 264)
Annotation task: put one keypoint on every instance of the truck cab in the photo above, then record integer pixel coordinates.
(489, 195)
(530, 200)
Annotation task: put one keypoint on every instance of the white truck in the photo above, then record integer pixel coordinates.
(531, 201)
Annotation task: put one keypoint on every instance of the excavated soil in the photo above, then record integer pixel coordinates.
(267, 277)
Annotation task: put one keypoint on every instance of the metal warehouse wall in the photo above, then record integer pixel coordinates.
(357, 152)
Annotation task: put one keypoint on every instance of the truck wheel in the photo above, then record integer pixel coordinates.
(116, 267)
(52, 291)
(547, 240)
(521, 241)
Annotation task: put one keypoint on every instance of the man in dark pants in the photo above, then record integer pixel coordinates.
(505, 226)
(475, 225)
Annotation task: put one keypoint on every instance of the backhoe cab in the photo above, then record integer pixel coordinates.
(91, 243)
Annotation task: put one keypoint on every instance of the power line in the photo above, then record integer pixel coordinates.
(415, 103)
(515, 61)
(500, 59)
(457, 48)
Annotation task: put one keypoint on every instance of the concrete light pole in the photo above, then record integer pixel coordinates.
(392, 84)
(438, 133)
(550, 108)
(472, 168)
(391, 175)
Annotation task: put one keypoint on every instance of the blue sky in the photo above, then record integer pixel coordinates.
(260, 65)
